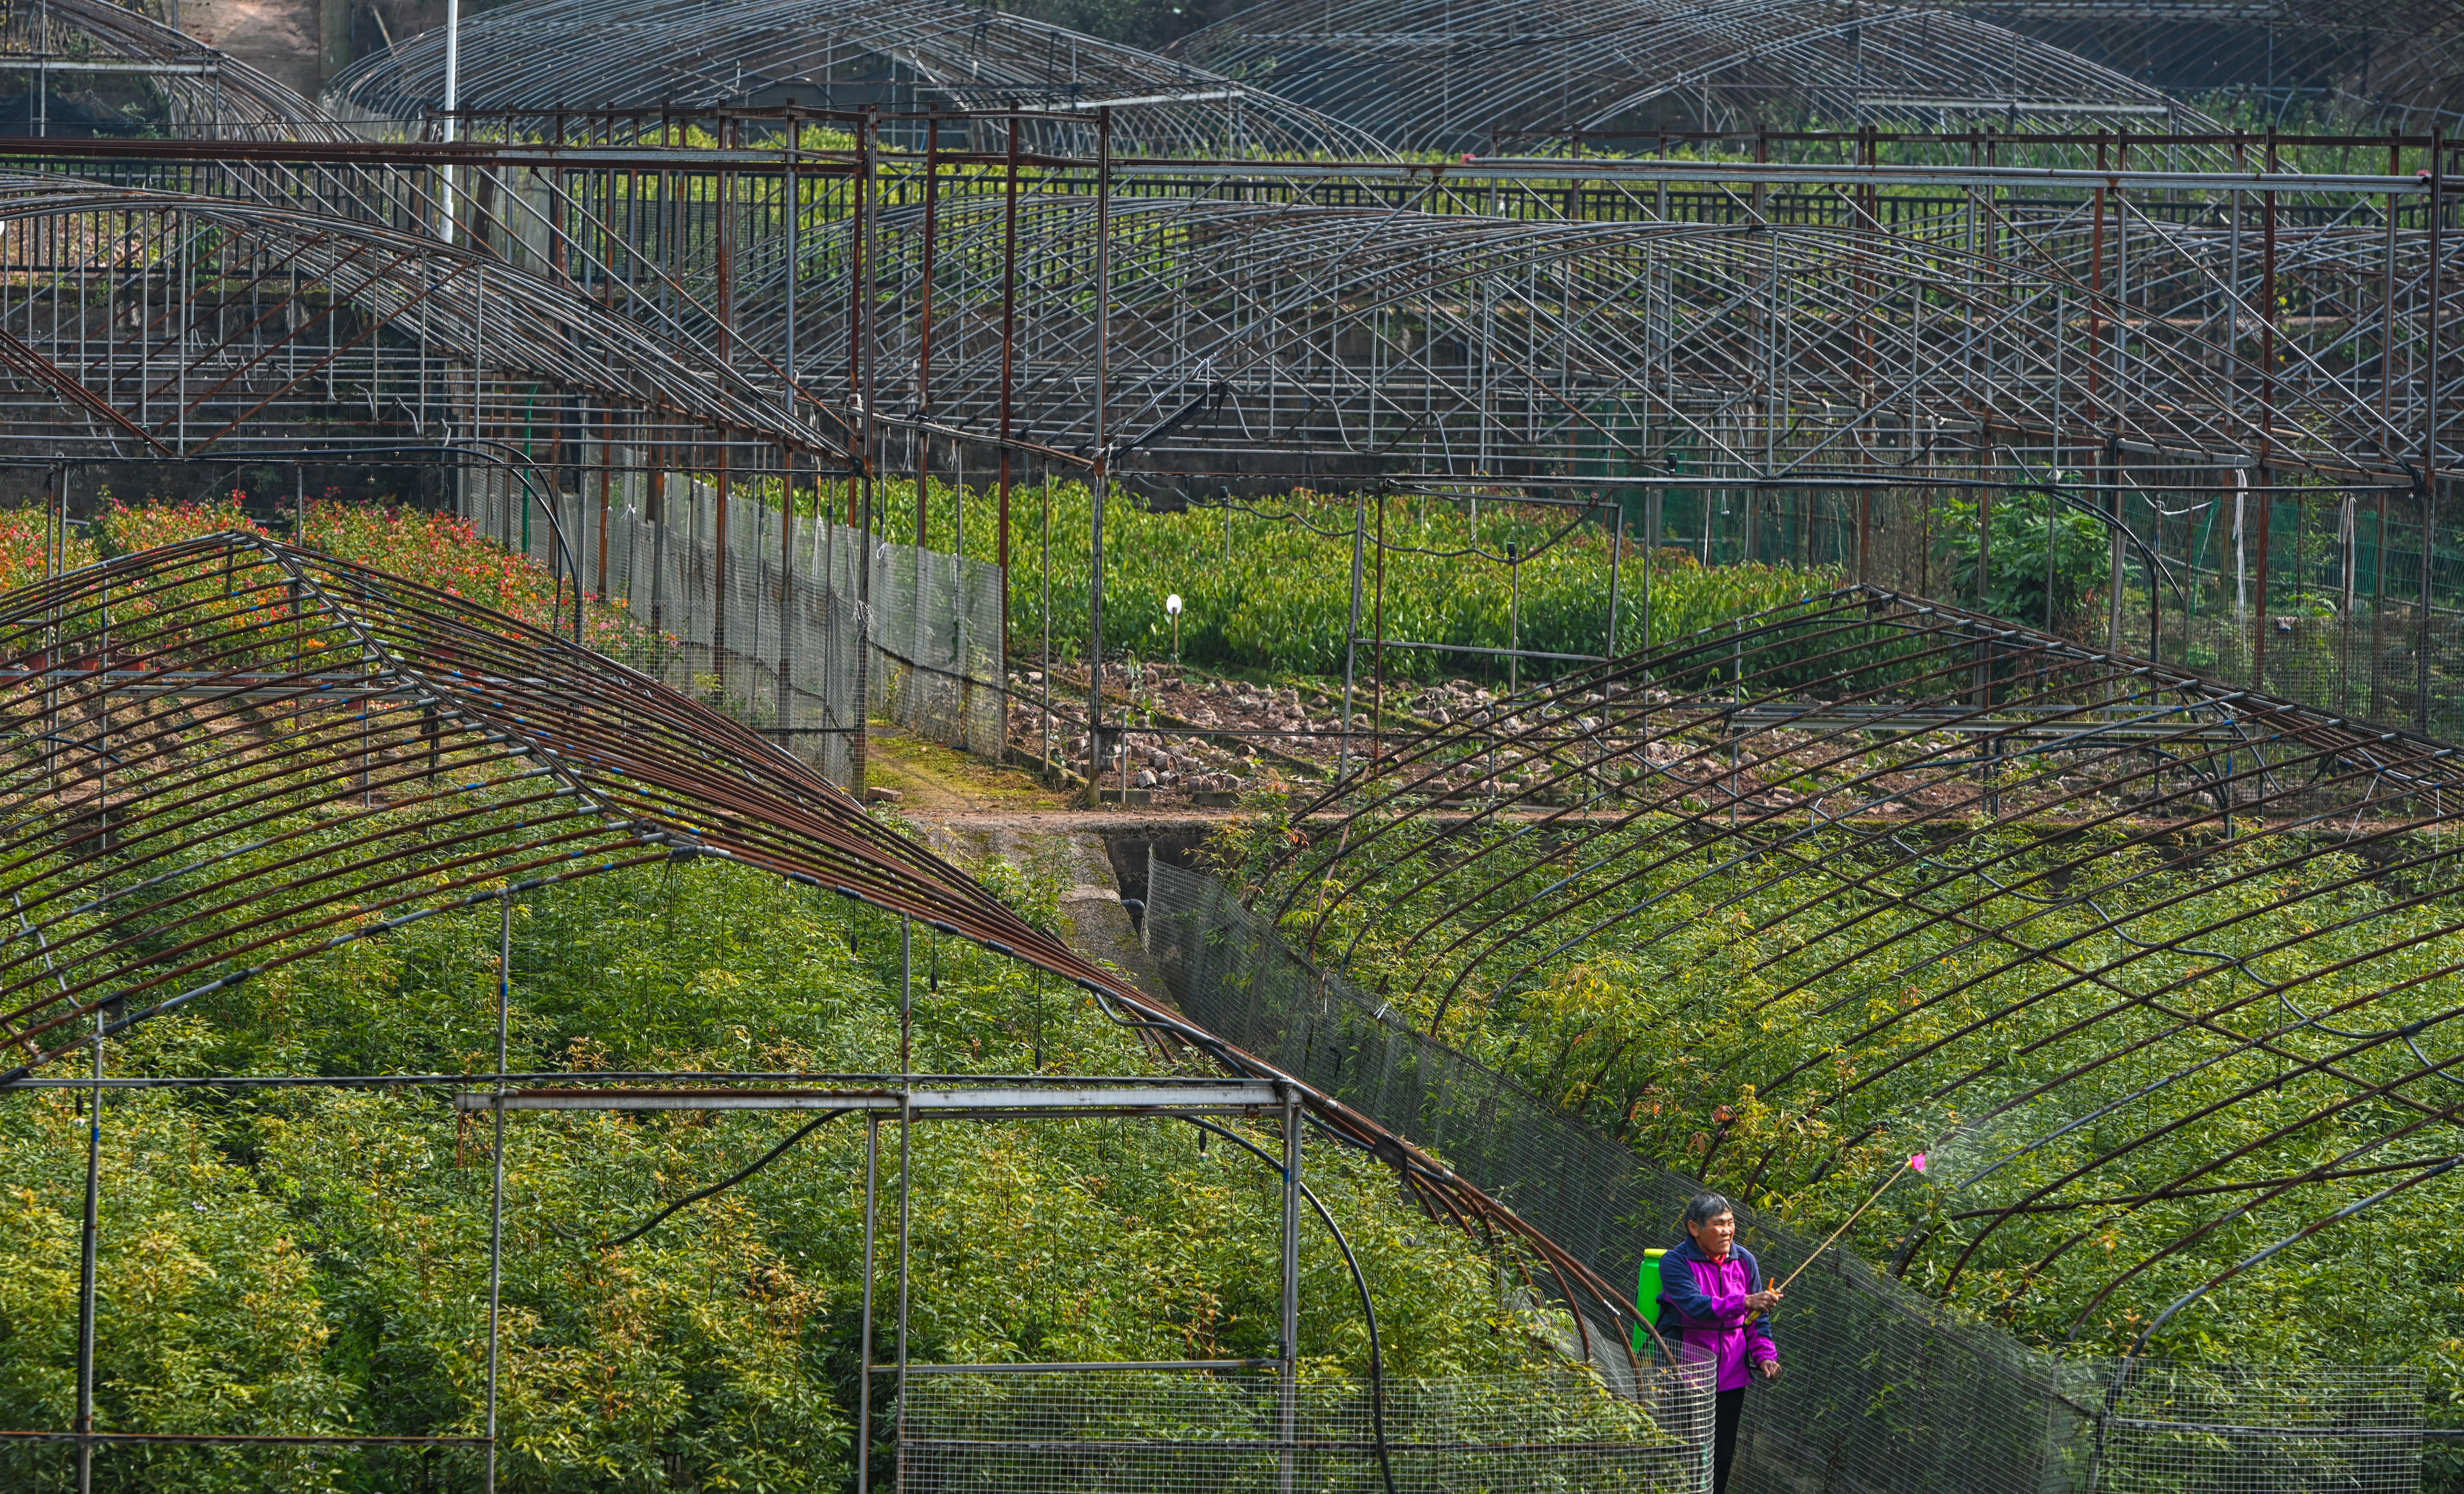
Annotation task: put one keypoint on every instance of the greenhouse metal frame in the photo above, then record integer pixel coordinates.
(960, 254)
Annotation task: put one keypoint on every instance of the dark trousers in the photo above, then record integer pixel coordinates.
(1730, 1404)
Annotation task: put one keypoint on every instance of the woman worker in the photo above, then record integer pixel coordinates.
(1714, 1306)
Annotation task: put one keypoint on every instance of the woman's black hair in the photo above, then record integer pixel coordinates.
(1705, 1207)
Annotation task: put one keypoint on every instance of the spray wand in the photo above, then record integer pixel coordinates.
(1914, 1164)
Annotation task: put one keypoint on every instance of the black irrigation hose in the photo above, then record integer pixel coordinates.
(1368, 1308)
(768, 1158)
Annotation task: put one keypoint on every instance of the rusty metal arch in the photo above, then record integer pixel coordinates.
(224, 755)
(2137, 939)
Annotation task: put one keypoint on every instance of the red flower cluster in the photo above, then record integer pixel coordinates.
(127, 530)
(443, 550)
(24, 544)
(438, 550)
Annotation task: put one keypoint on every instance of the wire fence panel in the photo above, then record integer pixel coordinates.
(2168, 1426)
(1883, 1389)
(937, 636)
(1160, 1432)
(779, 651)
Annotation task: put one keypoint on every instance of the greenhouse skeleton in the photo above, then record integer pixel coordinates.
(1839, 329)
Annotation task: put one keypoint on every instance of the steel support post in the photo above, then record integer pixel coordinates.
(2386, 418)
(864, 1330)
(1045, 608)
(1099, 478)
(1377, 646)
(2430, 426)
(859, 192)
(2108, 473)
(452, 105)
(1351, 637)
(924, 337)
(791, 192)
(862, 350)
(496, 1187)
(718, 567)
(2095, 361)
(89, 1239)
(906, 1165)
(2266, 421)
(607, 477)
(1651, 517)
(1008, 377)
(787, 586)
(1290, 1324)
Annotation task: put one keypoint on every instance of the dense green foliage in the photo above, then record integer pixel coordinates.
(313, 1261)
(1791, 1034)
(2027, 524)
(1269, 587)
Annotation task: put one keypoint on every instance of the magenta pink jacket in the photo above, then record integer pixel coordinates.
(1702, 1311)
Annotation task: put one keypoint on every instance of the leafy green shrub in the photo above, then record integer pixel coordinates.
(2026, 522)
(1789, 1026)
(314, 1263)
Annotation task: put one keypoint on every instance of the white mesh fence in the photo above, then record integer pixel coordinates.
(1158, 1432)
(781, 650)
(937, 664)
(2236, 1428)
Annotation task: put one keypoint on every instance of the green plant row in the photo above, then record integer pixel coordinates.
(1793, 1024)
(314, 1263)
(1268, 586)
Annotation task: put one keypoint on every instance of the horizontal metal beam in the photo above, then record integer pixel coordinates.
(1974, 104)
(1097, 1096)
(21, 64)
(1091, 105)
(1532, 169)
(476, 154)
(1487, 169)
(1075, 1366)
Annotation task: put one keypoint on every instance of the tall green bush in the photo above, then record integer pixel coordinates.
(2037, 542)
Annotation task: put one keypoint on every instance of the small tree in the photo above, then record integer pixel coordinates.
(2016, 572)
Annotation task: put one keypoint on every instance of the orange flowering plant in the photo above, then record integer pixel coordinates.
(438, 550)
(443, 550)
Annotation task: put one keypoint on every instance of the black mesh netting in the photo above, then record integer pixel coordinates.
(1883, 1390)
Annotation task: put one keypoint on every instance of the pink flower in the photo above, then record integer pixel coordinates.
(1917, 1161)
